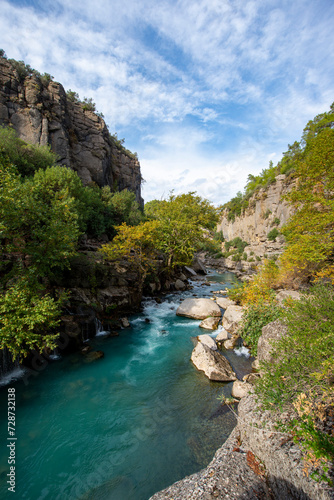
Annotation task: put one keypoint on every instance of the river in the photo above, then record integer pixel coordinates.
(126, 425)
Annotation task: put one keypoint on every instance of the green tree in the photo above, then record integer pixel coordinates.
(27, 315)
(310, 231)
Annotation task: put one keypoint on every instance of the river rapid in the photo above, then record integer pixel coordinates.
(124, 426)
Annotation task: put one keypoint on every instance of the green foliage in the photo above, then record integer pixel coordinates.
(310, 231)
(126, 208)
(119, 143)
(27, 315)
(301, 376)
(180, 224)
(72, 96)
(266, 214)
(39, 218)
(272, 235)
(276, 222)
(26, 157)
(88, 104)
(254, 319)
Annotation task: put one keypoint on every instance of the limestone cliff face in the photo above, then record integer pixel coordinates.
(42, 114)
(266, 210)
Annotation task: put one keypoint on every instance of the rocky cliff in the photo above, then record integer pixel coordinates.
(266, 211)
(41, 113)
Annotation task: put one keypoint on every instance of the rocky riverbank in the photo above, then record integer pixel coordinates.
(256, 461)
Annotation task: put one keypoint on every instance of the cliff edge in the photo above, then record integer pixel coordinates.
(41, 113)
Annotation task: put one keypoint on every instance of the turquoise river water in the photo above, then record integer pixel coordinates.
(125, 426)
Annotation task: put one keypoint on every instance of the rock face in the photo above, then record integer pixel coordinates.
(212, 363)
(224, 302)
(265, 211)
(271, 332)
(198, 308)
(42, 114)
(232, 318)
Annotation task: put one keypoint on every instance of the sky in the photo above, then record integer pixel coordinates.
(205, 91)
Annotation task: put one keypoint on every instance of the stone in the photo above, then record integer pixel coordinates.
(256, 364)
(251, 378)
(240, 389)
(222, 335)
(198, 266)
(210, 323)
(232, 318)
(208, 341)
(198, 309)
(224, 302)
(190, 271)
(93, 356)
(125, 322)
(287, 294)
(231, 343)
(179, 285)
(212, 363)
(271, 332)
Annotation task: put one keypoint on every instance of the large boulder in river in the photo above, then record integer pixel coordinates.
(232, 318)
(198, 309)
(224, 302)
(198, 266)
(210, 323)
(208, 341)
(212, 363)
(271, 332)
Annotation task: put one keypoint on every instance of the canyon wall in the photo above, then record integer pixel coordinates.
(41, 113)
(266, 210)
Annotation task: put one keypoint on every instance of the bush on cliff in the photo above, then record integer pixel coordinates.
(302, 375)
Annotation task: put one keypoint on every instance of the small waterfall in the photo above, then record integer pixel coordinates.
(9, 369)
(99, 330)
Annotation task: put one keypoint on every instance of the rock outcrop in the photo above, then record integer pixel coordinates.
(266, 211)
(271, 332)
(232, 318)
(41, 113)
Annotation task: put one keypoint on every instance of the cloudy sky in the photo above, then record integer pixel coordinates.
(205, 91)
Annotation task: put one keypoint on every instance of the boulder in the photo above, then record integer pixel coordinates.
(224, 302)
(240, 389)
(125, 322)
(231, 343)
(208, 341)
(179, 285)
(190, 271)
(212, 363)
(287, 294)
(93, 356)
(251, 378)
(198, 266)
(232, 318)
(198, 309)
(271, 332)
(210, 323)
(222, 335)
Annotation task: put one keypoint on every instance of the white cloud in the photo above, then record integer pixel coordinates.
(214, 87)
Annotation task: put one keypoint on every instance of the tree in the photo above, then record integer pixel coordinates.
(27, 315)
(137, 244)
(176, 228)
(310, 231)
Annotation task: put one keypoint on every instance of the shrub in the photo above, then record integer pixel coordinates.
(254, 319)
(302, 376)
(276, 222)
(272, 235)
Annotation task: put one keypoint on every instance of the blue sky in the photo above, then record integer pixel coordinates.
(205, 91)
